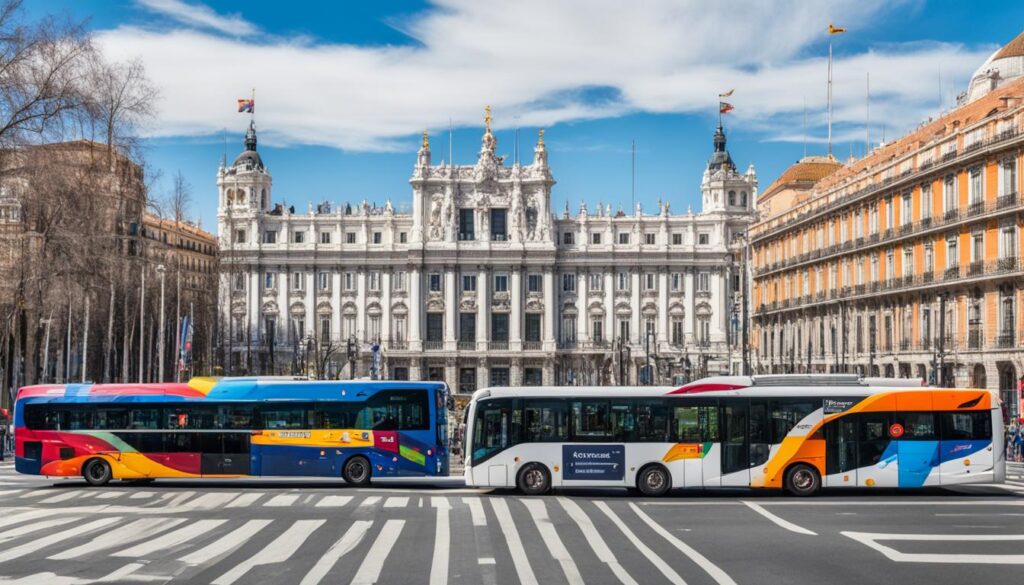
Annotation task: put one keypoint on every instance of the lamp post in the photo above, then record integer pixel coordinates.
(160, 337)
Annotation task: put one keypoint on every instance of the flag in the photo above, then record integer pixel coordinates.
(724, 107)
(834, 30)
(246, 106)
(726, 94)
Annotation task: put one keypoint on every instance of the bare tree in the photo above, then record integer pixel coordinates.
(179, 200)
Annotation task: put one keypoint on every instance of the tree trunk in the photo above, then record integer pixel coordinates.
(108, 345)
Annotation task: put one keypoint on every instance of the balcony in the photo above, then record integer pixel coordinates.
(906, 229)
(976, 268)
(1005, 340)
(976, 208)
(949, 155)
(925, 222)
(498, 345)
(951, 273)
(904, 345)
(532, 345)
(1006, 264)
(927, 276)
(467, 345)
(951, 215)
(567, 344)
(398, 345)
(433, 345)
(1008, 200)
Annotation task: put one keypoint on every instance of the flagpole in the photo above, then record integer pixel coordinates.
(252, 108)
(830, 95)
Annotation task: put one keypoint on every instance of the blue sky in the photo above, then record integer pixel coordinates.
(343, 89)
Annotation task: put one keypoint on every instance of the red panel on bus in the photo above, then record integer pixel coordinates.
(386, 440)
(709, 387)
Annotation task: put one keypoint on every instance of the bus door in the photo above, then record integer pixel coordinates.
(225, 453)
(735, 466)
(966, 447)
(841, 452)
(696, 438)
(877, 461)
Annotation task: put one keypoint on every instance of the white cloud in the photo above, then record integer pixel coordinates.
(543, 61)
(201, 16)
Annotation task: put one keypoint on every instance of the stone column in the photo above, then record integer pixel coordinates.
(336, 307)
(254, 310)
(282, 338)
(582, 322)
(385, 305)
(634, 293)
(361, 333)
(415, 314)
(689, 319)
(451, 308)
(663, 333)
(515, 319)
(483, 309)
(609, 306)
(550, 310)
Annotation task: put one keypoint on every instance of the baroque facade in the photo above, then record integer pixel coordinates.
(907, 262)
(481, 284)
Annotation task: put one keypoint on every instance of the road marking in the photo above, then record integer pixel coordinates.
(109, 495)
(369, 570)
(39, 543)
(212, 500)
(476, 511)
(983, 514)
(556, 547)
(779, 521)
(34, 527)
(396, 502)
(9, 492)
(333, 501)
(226, 543)
(486, 561)
(144, 495)
(170, 539)
(278, 551)
(175, 500)
(712, 569)
(871, 539)
(281, 501)
(352, 537)
(442, 542)
(645, 550)
(37, 493)
(245, 500)
(119, 536)
(595, 541)
(370, 501)
(29, 515)
(515, 546)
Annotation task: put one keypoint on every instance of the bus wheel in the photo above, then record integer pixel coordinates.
(97, 472)
(654, 481)
(534, 479)
(802, 480)
(356, 471)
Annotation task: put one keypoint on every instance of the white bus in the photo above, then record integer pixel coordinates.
(800, 433)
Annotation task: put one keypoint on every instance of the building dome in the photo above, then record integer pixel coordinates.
(1003, 65)
(795, 183)
(249, 158)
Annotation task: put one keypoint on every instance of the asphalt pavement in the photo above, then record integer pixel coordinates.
(63, 532)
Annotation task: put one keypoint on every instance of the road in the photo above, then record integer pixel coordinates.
(62, 532)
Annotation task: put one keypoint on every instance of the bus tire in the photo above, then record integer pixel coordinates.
(357, 471)
(97, 472)
(534, 479)
(654, 480)
(802, 480)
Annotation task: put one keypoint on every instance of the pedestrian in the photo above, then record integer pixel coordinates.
(3, 440)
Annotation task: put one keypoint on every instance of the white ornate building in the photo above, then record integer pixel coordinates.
(481, 284)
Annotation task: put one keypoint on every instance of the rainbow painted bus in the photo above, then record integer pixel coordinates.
(800, 433)
(232, 427)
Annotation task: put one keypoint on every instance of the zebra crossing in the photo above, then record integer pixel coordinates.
(1015, 474)
(359, 539)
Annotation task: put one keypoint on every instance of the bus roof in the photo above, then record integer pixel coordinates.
(243, 388)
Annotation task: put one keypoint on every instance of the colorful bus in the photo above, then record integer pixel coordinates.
(233, 427)
(800, 433)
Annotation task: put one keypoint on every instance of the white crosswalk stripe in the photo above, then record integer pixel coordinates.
(245, 500)
(645, 550)
(225, 544)
(549, 535)
(595, 541)
(282, 501)
(370, 501)
(171, 539)
(345, 544)
(51, 539)
(373, 562)
(442, 542)
(278, 551)
(476, 511)
(333, 501)
(119, 536)
(24, 529)
(68, 495)
(397, 502)
(515, 544)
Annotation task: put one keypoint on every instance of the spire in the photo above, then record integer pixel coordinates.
(489, 141)
(720, 159)
(250, 137)
(540, 152)
(426, 140)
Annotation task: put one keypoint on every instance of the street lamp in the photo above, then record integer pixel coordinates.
(160, 269)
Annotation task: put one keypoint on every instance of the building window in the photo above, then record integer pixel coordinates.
(703, 282)
(595, 238)
(952, 252)
(323, 281)
(299, 328)
(435, 327)
(677, 239)
(677, 281)
(499, 327)
(532, 377)
(500, 283)
(398, 329)
(467, 380)
(975, 194)
(467, 327)
(567, 238)
(239, 236)
(908, 205)
(534, 283)
(908, 262)
(399, 281)
(403, 238)
(929, 258)
(703, 239)
(1008, 242)
(649, 281)
(399, 373)
(239, 282)
(299, 237)
(732, 198)
(374, 280)
(297, 281)
(624, 330)
(499, 377)
(569, 282)
(268, 280)
(596, 282)
(466, 231)
(597, 330)
(499, 228)
(377, 238)
(949, 196)
(649, 239)
(624, 238)
(978, 247)
(677, 332)
(623, 281)
(350, 237)
(325, 330)
(743, 198)
(325, 237)
(468, 283)
(568, 333)
(434, 282)
(270, 237)
(1008, 177)
(926, 201)
(533, 327)
(350, 281)
(704, 331)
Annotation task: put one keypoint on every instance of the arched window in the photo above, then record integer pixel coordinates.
(743, 198)
(732, 198)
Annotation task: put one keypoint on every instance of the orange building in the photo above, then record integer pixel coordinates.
(906, 262)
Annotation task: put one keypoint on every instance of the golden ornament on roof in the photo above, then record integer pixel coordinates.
(426, 140)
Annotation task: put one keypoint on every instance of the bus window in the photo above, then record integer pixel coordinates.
(966, 426)
(735, 454)
(190, 416)
(785, 415)
(235, 416)
(917, 425)
(491, 429)
(396, 410)
(337, 415)
(652, 421)
(144, 418)
(590, 420)
(873, 439)
(285, 416)
(696, 424)
(545, 422)
(760, 432)
(622, 422)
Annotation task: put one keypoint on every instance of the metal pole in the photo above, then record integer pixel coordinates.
(177, 321)
(66, 375)
(142, 326)
(941, 375)
(746, 314)
(160, 337)
(46, 349)
(85, 340)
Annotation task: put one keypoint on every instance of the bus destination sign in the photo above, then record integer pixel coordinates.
(594, 462)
